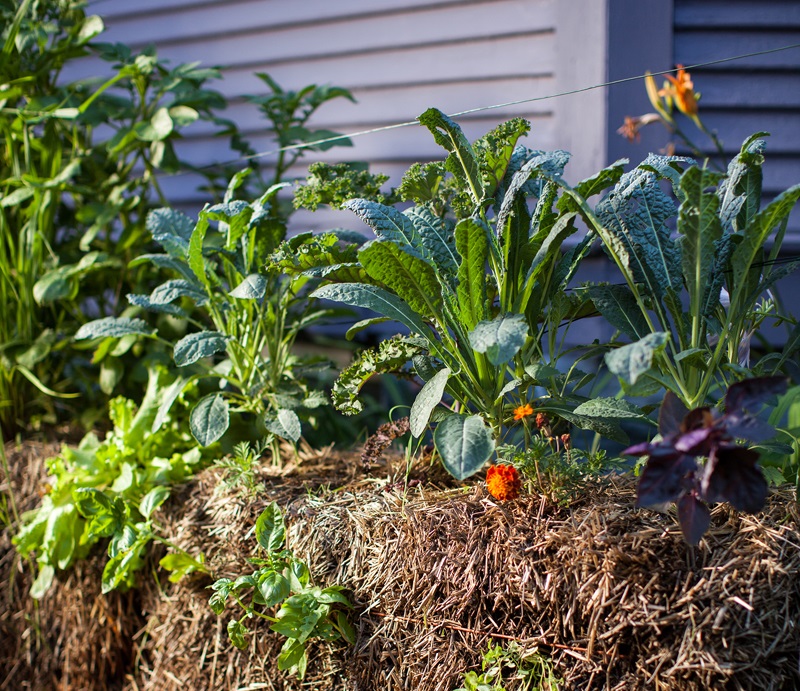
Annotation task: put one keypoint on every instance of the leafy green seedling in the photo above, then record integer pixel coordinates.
(304, 611)
(110, 489)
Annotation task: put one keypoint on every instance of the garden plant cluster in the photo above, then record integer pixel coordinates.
(176, 336)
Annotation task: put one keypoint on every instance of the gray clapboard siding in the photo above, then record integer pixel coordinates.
(736, 14)
(238, 36)
(414, 143)
(758, 93)
(399, 57)
(399, 103)
(277, 11)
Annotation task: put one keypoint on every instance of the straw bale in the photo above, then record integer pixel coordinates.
(74, 637)
(184, 644)
(610, 593)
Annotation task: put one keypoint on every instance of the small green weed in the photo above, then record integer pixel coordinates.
(527, 670)
(241, 467)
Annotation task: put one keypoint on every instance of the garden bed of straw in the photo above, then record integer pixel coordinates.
(609, 592)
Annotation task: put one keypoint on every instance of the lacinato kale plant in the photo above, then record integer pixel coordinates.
(478, 272)
(730, 472)
(692, 299)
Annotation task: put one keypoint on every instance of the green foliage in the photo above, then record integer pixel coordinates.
(780, 458)
(464, 443)
(288, 113)
(334, 184)
(718, 260)
(77, 175)
(305, 611)
(110, 489)
(476, 274)
(254, 316)
(241, 468)
(389, 356)
(527, 670)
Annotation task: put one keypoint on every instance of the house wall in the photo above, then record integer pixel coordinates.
(398, 57)
(760, 93)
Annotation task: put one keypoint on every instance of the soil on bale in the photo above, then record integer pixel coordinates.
(611, 594)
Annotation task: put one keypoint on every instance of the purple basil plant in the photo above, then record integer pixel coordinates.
(730, 472)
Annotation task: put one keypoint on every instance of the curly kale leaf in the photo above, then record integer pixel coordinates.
(335, 184)
(390, 356)
(307, 251)
(495, 149)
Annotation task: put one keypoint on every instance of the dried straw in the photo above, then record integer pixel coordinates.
(610, 593)
(74, 637)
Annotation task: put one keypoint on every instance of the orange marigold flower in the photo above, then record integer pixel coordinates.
(523, 411)
(681, 89)
(503, 482)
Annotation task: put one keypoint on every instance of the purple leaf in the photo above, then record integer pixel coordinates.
(642, 449)
(744, 426)
(694, 518)
(697, 419)
(671, 414)
(695, 443)
(731, 474)
(664, 477)
(751, 393)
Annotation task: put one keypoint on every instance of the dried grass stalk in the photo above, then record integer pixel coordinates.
(74, 637)
(611, 593)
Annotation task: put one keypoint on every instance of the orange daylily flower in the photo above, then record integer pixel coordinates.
(681, 90)
(630, 129)
(523, 411)
(503, 482)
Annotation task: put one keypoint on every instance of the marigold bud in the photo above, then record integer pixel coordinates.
(503, 482)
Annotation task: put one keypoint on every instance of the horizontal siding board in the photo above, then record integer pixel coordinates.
(357, 36)
(279, 11)
(483, 59)
(734, 126)
(479, 59)
(695, 47)
(403, 104)
(738, 89)
(690, 14)
(226, 31)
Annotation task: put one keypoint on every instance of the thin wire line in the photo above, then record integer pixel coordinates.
(386, 128)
